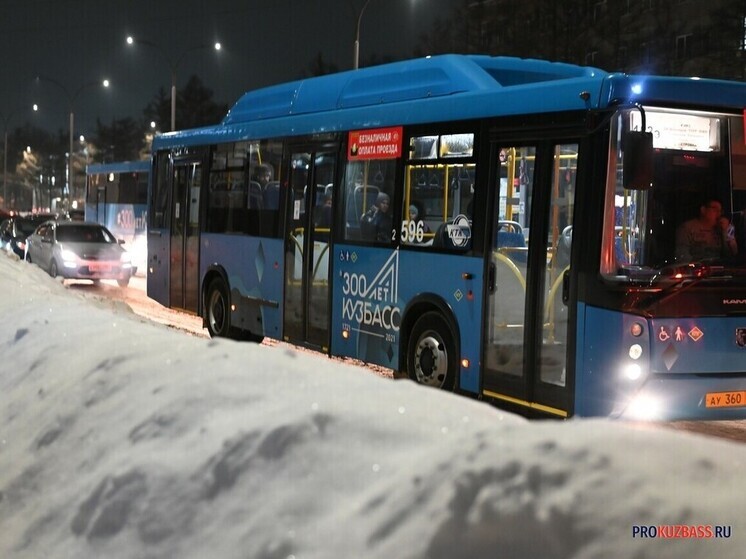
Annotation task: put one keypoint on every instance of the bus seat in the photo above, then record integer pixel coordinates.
(619, 255)
(320, 194)
(561, 257)
(441, 238)
(256, 198)
(510, 235)
(219, 199)
(271, 195)
(507, 239)
(510, 240)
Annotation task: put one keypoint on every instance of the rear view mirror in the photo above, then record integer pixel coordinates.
(637, 165)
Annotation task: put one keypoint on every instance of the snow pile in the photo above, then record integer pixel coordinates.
(122, 439)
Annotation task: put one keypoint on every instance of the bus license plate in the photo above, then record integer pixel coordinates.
(725, 399)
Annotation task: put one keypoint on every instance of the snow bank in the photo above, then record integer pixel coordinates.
(121, 439)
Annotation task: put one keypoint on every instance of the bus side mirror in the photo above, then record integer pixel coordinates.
(637, 166)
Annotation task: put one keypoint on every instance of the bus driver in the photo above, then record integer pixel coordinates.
(707, 236)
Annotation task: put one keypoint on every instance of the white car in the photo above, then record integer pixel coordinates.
(79, 250)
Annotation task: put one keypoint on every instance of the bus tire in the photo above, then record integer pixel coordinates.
(431, 352)
(217, 310)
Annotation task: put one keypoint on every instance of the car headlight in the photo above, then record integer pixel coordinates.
(68, 255)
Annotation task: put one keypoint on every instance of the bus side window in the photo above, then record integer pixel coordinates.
(263, 196)
(438, 204)
(161, 191)
(271, 196)
(364, 181)
(255, 199)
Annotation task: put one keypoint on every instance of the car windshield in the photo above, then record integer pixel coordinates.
(83, 234)
(690, 223)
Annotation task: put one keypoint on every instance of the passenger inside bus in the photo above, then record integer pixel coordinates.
(324, 213)
(707, 236)
(414, 217)
(376, 223)
(263, 174)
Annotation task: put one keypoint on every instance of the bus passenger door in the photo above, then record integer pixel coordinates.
(184, 251)
(100, 216)
(526, 345)
(311, 180)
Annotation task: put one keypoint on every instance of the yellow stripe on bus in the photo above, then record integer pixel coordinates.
(532, 405)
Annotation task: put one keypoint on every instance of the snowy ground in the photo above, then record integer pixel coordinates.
(124, 439)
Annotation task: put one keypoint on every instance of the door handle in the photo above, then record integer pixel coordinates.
(491, 272)
(566, 287)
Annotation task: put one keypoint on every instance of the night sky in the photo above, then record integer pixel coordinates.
(77, 42)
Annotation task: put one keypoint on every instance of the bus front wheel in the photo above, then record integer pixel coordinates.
(431, 352)
(218, 309)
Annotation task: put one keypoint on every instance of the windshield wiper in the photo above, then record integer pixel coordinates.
(674, 279)
(679, 273)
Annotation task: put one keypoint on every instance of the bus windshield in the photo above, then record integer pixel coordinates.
(690, 223)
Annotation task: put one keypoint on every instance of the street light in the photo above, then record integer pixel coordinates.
(172, 65)
(356, 51)
(6, 120)
(71, 100)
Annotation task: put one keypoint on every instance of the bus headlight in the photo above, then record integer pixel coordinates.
(633, 371)
(643, 407)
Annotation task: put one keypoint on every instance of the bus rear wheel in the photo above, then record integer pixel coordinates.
(219, 315)
(431, 352)
(218, 309)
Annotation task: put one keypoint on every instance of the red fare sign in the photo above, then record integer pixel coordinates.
(381, 143)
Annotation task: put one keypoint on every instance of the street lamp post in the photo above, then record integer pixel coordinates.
(71, 100)
(356, 50)
(172, 65)
(6, 120)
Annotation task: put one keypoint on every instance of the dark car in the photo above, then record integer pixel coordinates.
(14, 231)
(43, 216)
(75, 215)
(79, 250)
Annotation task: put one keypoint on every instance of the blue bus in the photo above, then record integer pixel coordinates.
(503, 228)
(117, 198)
